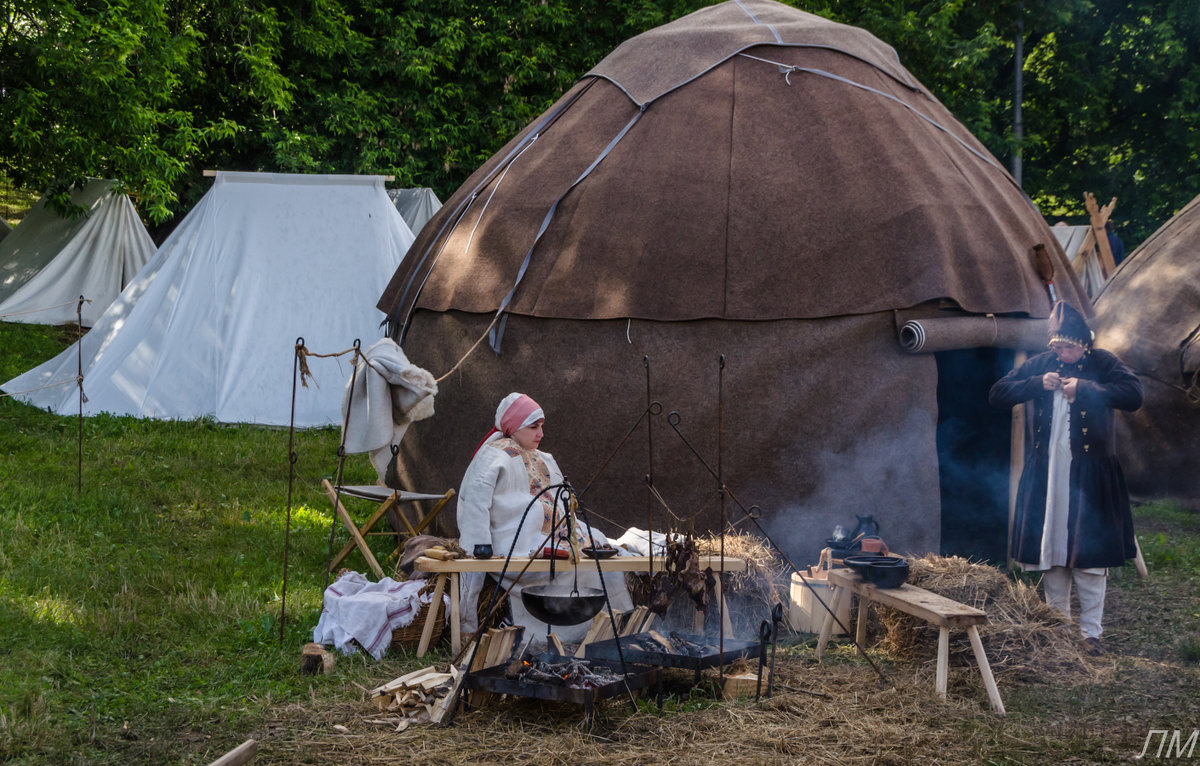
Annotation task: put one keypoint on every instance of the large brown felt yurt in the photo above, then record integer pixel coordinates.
(1149, 315)
(760, 185)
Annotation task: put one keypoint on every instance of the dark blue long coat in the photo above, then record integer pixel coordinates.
(1100, 526)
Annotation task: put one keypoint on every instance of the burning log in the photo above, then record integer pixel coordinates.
(569, 672)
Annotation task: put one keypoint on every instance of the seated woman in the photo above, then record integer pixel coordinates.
(506, 473)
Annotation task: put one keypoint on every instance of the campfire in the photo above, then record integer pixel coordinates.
(569, 672)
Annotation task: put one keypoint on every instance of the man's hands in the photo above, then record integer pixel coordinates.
(1052, 381)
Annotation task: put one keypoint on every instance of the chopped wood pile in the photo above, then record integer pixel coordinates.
(637, 620)
(422, 696)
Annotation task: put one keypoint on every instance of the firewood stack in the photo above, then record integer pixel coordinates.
(634, 621)
(422, 696)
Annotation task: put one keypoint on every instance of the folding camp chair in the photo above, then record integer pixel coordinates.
(391, 503)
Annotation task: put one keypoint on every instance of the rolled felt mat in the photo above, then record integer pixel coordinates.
(922, 336)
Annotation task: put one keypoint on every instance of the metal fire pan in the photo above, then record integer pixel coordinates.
(735, 648)
(492, 680)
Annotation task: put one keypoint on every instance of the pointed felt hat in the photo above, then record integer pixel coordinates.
(1067, 325)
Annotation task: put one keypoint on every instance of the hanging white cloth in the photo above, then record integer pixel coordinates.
(388, 394)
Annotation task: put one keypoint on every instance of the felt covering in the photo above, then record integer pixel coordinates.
(865, 192)
(822, 419)
(775, 215)
(1148, 314)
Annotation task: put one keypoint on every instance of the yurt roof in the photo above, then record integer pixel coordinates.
(1148, 311)
(751, 162)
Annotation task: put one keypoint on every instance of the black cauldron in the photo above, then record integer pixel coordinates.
(554, 606)
(880, 570)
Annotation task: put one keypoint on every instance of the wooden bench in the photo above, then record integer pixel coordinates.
(934, 609)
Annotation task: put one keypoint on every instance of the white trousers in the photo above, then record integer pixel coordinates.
(1091, 587)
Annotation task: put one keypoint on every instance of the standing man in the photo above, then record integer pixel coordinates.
(1072, 517)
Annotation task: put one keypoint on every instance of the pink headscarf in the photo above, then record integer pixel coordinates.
(514, 413)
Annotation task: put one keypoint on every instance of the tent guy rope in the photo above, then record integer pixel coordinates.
(44, 308)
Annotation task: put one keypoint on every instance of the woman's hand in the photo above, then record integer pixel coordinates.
(1051, 381)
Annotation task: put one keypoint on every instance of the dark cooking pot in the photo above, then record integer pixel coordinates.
(880, 570)
(552, 605)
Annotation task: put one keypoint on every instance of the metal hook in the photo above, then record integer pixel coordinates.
(655, 408)
(674, 418)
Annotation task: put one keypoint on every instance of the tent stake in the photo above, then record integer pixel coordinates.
(82, 398)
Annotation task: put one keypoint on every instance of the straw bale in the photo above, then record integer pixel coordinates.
(1024, 638)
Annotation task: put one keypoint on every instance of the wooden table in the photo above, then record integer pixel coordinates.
(934, 609)
(445, 571)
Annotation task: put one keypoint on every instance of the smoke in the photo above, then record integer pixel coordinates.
(889, 473)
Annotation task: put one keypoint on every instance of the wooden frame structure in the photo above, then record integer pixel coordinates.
(390, 502)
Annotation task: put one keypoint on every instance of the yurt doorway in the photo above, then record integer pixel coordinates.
(973, 454)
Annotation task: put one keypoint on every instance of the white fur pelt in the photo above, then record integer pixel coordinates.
(389, 393)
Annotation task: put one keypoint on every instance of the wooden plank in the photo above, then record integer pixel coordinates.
(840, 594)
(593, 631)
(943, 662)
(455, 616)
(615, 564)
(442, 706)
(242, 754)
(402, 681)
(431, 616)
(985, 670)
(931, 607)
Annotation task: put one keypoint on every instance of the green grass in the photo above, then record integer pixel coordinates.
(139, 617)
(14, 201)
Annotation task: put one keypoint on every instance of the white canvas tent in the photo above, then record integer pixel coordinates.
(416, 206)
(208, 329)
(1079, 243)
(49, 260)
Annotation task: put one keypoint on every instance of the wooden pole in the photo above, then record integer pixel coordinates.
(1016, 459)
(240, 755)
(1099, 217)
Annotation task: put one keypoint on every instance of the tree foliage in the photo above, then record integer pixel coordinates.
(154, 91)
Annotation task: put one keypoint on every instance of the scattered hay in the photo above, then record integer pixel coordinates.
(853, 721)
(1024, 638)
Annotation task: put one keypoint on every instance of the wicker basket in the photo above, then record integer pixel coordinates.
(409, 637)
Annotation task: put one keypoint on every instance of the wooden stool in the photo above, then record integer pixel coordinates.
(388, 500)
(934, 609)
